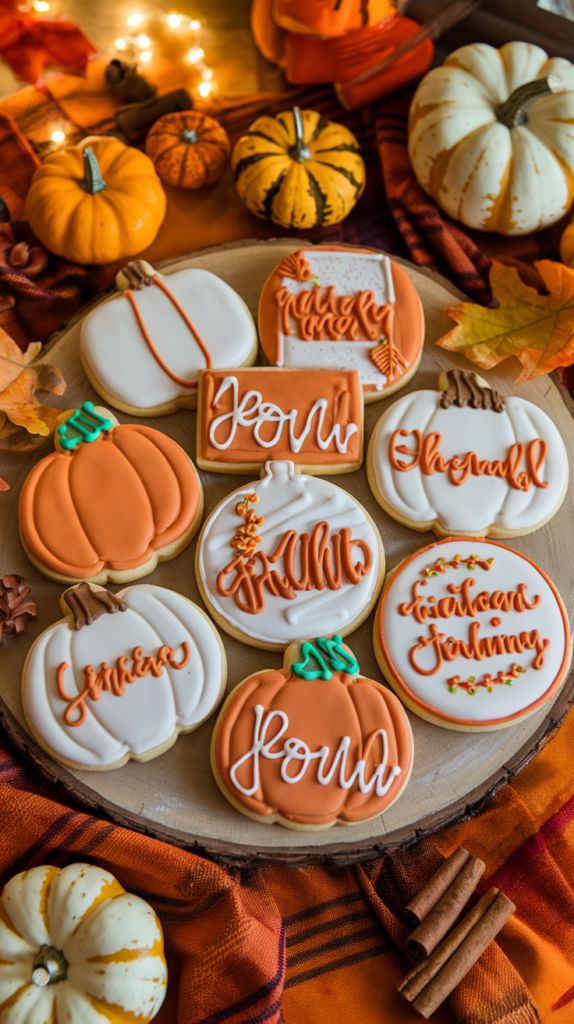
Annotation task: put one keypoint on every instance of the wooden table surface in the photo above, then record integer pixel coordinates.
(229, 48)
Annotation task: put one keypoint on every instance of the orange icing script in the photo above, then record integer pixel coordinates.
(114, 678)
(309, 561)
(323, 313)
(521, 468)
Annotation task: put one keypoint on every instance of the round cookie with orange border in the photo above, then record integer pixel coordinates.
(472, 635)
(343, 308)
(313, 744)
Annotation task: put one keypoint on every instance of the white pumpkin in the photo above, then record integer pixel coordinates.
(87, 714)
(75, 948)
(491, 140)
(486, 502)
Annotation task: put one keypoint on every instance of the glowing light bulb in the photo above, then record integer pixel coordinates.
(174, 20)
(204, 89)
(146, 56)
(58, 136)
(135, 19)
(143, 41)
(194, 55)
(41, 6)
(195, 25)
(121, 44)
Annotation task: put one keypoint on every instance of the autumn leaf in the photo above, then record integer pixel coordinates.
(21, 412)
(536, 329)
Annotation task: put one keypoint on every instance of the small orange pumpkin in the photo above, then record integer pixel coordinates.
(312, 744)
(111, 502)
(188, 149)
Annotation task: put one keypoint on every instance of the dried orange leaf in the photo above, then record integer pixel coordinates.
(536, 329)
(20, 379)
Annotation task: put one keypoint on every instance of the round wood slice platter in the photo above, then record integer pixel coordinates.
(174, 797)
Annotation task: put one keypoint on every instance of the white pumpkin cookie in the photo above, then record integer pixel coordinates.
(472, 635)
(121, 675)
(287, 556)
(465, 460)
(142, 351)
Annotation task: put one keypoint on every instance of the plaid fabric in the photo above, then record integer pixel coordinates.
(319, 941)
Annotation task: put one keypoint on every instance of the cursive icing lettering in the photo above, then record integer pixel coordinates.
(114, 678)
(323, 314)
(310, 561)
(297, 759)
(252, 413)
(442, 648)
(521, 468)
(460, 602)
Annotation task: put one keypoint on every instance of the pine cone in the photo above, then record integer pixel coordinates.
(16, 605)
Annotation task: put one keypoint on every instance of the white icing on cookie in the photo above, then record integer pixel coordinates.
(525, 490)
(151, 708)
(476, 643)
(301, 514)
(118, 358)
(348, 274)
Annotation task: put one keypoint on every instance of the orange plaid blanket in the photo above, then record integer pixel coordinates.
(267, 944)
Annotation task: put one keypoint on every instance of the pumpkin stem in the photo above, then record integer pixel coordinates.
(92, 181)
(189, 135)
(50, 966)
(514, 110)
(299, 152)
(87, 603)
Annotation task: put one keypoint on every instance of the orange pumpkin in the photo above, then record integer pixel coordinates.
(117, 501)
(312, 744)
(188, 149)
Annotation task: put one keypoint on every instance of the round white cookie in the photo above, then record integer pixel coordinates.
(472, 635)
(289, 556)
(122, 675)
(465, 460)
(142, 351)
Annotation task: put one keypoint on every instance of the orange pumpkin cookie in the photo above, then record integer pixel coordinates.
(188, 149)
(313, 744)
(110, 502)
(337, 308)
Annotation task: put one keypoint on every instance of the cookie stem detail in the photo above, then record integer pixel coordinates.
(87, 603)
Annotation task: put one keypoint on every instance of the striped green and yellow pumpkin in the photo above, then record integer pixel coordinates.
(74, 946)
(298, 169)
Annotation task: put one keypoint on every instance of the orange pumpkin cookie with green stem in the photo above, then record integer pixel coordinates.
(110, 502)
(313, 744)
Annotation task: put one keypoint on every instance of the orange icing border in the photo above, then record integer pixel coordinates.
(554, 686)
(409, 325)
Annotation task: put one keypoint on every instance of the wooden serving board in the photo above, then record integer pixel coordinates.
(175, 797)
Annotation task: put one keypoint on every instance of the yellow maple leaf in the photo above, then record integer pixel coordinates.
(538, 330)
(20, 379)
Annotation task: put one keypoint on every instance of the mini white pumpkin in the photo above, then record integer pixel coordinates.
(497, 446)
(93, 702)
(490, 137)
(75, 948)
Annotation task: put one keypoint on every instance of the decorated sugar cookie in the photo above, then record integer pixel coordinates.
(287, 556)
(313, 744)
(472, 635)
(142, 351)
(313, 417)
(339, 308)
(466, 460)
(121, 675)
(110, 502)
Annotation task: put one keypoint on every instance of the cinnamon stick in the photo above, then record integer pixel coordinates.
(428, 985)
(444, 913)
(431, 892)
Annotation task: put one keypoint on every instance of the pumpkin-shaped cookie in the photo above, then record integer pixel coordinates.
(96, 203)
(74, 946)
(188, 149)
(298, 169)
(122, 675)
(465, 460)
(110, 503)
(313, 744)
(490, 137)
